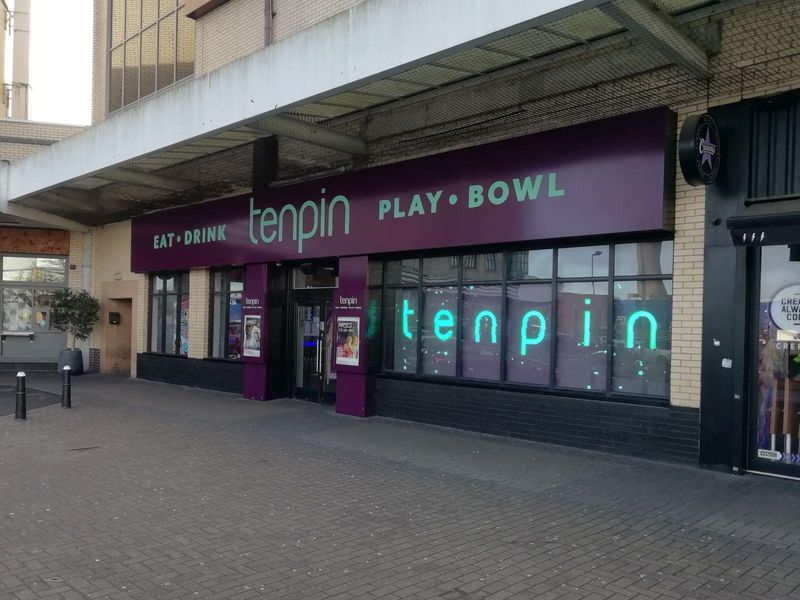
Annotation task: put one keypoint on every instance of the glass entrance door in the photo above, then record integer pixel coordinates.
(314, 374)
(775, 404)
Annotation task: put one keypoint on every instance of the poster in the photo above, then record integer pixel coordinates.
(347, 340)
(252, 335)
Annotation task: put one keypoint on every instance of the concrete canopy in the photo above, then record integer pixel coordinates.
(192, 142)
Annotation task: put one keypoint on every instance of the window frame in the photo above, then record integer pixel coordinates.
(504, 280)
(174, 13)
(179, 293)
(226, 293)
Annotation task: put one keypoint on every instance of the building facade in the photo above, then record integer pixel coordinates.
(488, 230)
(34, 259)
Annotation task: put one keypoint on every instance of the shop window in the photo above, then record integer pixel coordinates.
(518, 323)
(34, 269)
(227, 288)
(642, 334)
(582, 335)
(439, 330)
(26, 309)
(481, 332)
(528, 347)
(401, 310)
(315, 275)
(169, 313)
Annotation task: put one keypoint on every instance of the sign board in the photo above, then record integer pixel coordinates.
(607, 177)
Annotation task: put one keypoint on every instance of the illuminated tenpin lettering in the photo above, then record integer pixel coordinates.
(525, 341)
(441, 320)
(486, 314)
(587, 324)
(406, 313)
(641, 314)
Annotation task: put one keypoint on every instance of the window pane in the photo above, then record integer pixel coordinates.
(529, 333)
(439, 326)
(166, 52)
(234, 337)
(483, 267)
(402, 271)
(115, 79)
(218, 281)
(31, 268)
(581, 347)
(17, 309)
(166, 6)
(156, 318)
(131, 71)
(148, 69)
(218, 334)
(236, 280)
(375, 272)
(316, 276)
(168, 282)
(133, 17)
(402, 318)
(646, 258)
(373, 329)
(117, 22)
(586, 261)
(185, 66)
(480, 331)
(149, 12)
(42, 303)
(183, 329)
(530, 264)
(440, 269)
(171, 320)
(642, 331)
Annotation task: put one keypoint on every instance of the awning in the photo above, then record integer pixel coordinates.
(765, 230)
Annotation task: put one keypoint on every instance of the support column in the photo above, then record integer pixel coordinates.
(254, 329)
(350, 320)
(199, 284)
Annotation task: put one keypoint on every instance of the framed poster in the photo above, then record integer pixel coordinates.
(252, 335)
(348, 330)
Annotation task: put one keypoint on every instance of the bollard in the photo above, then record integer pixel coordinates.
(66, 388)
(22, 412)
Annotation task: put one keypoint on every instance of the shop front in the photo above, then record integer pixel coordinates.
(33, 266)
(522, 287)
(751, 372)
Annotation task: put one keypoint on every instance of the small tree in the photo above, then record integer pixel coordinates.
(75, 312)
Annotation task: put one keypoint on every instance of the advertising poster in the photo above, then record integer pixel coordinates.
(252, 335)
(347, 340)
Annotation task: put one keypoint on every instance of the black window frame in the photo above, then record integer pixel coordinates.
(181, 278)
(504, 280)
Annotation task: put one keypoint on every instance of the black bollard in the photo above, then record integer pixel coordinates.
(22, 412)
(66, 388)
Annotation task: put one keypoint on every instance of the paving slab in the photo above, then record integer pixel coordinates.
(149, 491)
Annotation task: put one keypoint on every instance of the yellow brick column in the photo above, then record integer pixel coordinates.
(687, 290)
(199, 283)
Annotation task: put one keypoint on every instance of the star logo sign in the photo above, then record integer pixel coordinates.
(707, 149)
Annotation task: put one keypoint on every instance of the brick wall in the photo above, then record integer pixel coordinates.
(111, 260)
(235, 29)
(293, 15)
(19, 138)
(199, 284)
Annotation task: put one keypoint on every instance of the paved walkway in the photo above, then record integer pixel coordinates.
(150, 491)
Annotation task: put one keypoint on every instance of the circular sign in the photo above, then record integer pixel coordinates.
(785, 309)
(699, 150)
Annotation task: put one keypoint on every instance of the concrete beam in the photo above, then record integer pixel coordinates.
(146, 179)
(43, 218)
(658, 30)
(351, 49)
(311, 133)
